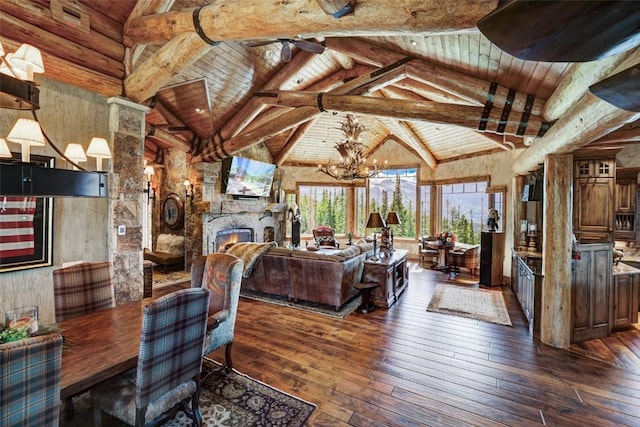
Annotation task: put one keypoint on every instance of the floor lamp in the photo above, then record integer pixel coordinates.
(374, 221)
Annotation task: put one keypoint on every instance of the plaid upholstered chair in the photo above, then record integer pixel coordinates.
(221, 275)
(82, 289)
(30, 381)
(427, 252)
(464, 256)
(167, 378)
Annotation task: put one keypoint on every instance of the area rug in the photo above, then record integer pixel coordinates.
(160, 280)
(473, 303)
(232, 400)
(326, 310)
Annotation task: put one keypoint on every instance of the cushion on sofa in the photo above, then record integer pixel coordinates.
(348, 253)
(321, 256)
(170, 243)
(280, 251)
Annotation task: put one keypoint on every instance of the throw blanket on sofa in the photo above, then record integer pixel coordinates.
(250, 252)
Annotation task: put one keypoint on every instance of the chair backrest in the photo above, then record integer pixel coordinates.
(424, 241)
(171, 343)
(221, 275)
(81, 289)
(324, 236)
(30, 381)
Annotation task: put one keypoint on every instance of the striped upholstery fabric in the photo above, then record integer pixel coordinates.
(169, 361)
(82, 289)
(30, 381)
(221, 274)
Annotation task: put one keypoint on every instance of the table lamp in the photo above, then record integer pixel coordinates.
(392, 219)
(374, 221)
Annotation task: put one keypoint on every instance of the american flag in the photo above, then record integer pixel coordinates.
(16, 226)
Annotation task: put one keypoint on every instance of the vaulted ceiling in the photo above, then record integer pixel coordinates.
(416, 72)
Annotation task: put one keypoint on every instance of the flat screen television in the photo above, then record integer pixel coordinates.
(247, 178)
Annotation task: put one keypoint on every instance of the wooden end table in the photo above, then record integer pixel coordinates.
(365, 288)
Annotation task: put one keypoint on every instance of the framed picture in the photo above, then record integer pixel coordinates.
(26, 227)
(173, 211)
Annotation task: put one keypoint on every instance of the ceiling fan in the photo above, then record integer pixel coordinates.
(285, 53)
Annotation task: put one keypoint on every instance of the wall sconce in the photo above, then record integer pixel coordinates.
(188, 190)
(151, 194)
(75, 152)
(5, 153)
(99, 149)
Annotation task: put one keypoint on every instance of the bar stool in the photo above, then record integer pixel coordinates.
(365, 289)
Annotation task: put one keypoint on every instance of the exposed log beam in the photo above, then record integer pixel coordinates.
(430, 93)
(293, 140)
(417, 144)
(143, 7)
(23, 32)
(179, 53)
(257, 19)
(168, 137)
(459, 115)
(252, 108)
(589, 119)
(627, 133)
(580, 76)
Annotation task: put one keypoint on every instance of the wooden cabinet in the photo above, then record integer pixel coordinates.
(392, 276)
(626, 215)
(593, 200)
(591, 293)
(491, 258)
(625, 300)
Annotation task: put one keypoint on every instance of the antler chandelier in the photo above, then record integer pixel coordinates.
(352, 159)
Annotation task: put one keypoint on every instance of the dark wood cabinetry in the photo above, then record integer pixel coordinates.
(392, 276)
(526, 283)
(626, 200)
(593, 207)
(491, 258)
(591, 293)
(625, 299)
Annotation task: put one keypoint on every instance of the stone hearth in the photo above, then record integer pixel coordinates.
(243, 214)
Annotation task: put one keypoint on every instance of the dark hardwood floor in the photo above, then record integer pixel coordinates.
(408, 367)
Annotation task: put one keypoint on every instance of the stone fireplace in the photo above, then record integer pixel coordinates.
(231, 236)
(251, 219)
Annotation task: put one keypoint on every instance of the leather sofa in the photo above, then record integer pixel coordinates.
(325, 276)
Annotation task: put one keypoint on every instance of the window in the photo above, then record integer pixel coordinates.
(360, 210)
(396, 190)
(465, 208)
(323, 205)
(425, 210)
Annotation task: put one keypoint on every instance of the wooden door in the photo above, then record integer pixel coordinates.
(593, 214)
(626, 194)
(625, 294)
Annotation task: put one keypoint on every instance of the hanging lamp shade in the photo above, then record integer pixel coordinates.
(99, 148)
(28, 59)
(4, 149)
(149, 172)
(26, 131)
(75, 152)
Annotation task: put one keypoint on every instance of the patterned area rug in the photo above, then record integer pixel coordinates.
(232, 400)
(326, 310)
(473, 303)
(160, 280)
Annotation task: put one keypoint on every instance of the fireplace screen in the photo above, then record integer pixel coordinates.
(231, 236)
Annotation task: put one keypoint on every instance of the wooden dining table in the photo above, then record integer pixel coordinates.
(99, 345)
(443, 250)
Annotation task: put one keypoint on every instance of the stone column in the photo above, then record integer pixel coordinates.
(555, 322)
(126, 198)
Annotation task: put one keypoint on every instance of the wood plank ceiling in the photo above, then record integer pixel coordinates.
(232, 95)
